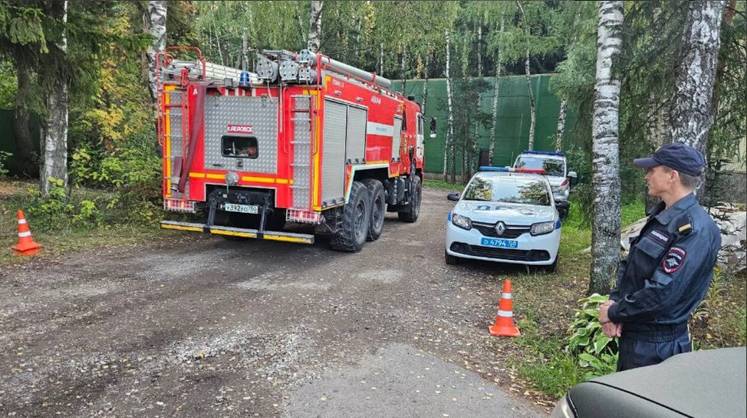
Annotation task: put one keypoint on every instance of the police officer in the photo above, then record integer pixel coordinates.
(669, 267)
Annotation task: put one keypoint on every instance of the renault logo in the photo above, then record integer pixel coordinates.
(500, 228)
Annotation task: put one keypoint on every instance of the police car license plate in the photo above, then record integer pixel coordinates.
(500, 243)
(232, 207)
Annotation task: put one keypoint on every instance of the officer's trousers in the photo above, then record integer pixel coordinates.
(638, 349)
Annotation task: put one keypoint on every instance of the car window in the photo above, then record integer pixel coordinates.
(532, 192)
(552, 166)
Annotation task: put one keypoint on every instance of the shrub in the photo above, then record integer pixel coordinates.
(596, 353)
(4, 157)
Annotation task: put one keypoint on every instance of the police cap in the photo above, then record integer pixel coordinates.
(676, 156)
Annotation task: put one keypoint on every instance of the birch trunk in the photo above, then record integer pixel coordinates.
(560, 131)
(496, 89)
(605, 233)
(403, 68)
(381, 59)
(155, 25)
(528, 74)
(449, 143)
(692, 112)
(532, 108)
(425, 81)
(315, 25)
(54, 142)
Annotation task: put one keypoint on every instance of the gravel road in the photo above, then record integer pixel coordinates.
(201, 326)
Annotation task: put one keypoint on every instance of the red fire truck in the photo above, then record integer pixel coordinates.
(305, 145)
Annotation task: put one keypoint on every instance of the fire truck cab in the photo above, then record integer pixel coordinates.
(305, 145)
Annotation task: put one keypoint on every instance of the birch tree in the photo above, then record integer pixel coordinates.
(560, 129)
(528, 75)
(449, 143)
(692, 112)
(605, 234)
(54, 139)
(315, 25)
(496, 91)
(155, 25)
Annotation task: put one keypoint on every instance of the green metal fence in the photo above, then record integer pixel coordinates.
(513, 119)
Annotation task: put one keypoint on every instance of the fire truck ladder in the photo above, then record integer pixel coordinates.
(177, 138)
(301, 151)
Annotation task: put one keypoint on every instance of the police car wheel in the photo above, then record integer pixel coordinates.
(450, 259)
(378, 208)
(355, 220)
(552, 268)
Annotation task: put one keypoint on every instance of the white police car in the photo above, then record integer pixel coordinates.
(505, 216)
(555, 167)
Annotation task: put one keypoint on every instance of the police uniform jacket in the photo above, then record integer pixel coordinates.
(668, 269)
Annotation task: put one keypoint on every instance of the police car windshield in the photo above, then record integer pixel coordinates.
(553, 166)
(513, 189)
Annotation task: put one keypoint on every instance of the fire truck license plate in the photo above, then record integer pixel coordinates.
(232, 207)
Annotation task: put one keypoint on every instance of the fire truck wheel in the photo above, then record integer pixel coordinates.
(355, 220)
(411, 210)
(378, 208)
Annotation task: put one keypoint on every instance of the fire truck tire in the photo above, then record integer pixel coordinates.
(378, 208)
(411, 211)
(356, 216)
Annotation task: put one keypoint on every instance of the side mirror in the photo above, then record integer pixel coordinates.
(572, 177)
(454, 197)
(433, 127)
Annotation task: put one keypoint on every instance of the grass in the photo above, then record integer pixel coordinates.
(443, 185)
(60, 234)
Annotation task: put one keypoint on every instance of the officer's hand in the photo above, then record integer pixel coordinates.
(610, 329)
(603, 308)
(618, 330)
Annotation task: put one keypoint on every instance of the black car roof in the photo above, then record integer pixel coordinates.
(705, 383)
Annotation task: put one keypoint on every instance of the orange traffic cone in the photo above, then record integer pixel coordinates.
(26, 244)
(504, 322)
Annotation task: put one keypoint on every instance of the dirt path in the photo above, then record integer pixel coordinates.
(207, 327)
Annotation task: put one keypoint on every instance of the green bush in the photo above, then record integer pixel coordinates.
(4, 157)
(131, 171)
(596, 353)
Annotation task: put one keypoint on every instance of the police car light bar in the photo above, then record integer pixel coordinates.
(557, 153)
(530, 170)
(499, 169)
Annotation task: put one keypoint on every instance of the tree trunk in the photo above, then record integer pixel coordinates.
(54, 146)
(381, 59)
(22, 121)
(315, 25)
(155, 25)
(425, 81)
(403, 68)
(691, 116)
(496, 89)
(605, 233)
(560, 131)
(528, 74)
(532, 108)
(449, 143)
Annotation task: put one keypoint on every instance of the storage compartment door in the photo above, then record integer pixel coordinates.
(355, 149)
(333, 153)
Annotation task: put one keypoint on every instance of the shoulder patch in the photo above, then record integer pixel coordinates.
(674, 259)
(685, 229)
